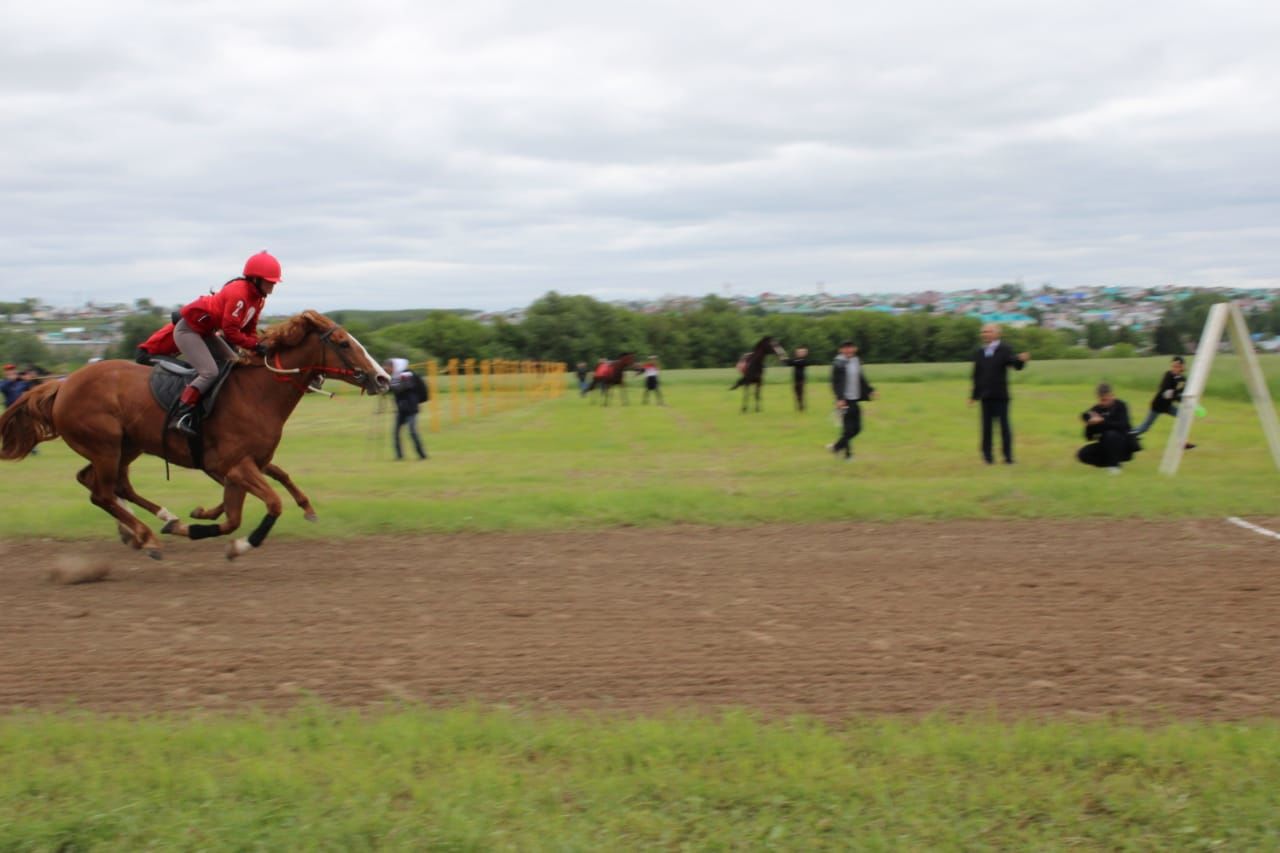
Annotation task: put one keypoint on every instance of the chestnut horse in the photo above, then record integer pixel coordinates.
(614, 378)
(106, 413)
(753, 370)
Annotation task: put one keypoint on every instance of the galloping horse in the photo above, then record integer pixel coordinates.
(615, 377)
(753, 370)
(106, 413)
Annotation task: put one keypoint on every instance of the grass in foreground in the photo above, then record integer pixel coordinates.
(471, 780)
(565, 463)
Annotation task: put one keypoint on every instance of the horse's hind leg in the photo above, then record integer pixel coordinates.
(758, 387)
(100, 478)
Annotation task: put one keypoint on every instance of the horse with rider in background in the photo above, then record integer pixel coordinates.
(612, 374)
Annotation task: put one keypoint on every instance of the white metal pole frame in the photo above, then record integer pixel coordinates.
(1256, 382)
(1215, 325)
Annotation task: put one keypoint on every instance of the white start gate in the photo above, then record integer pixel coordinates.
(1223, 317)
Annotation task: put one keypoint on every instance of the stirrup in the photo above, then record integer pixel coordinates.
(183, 425)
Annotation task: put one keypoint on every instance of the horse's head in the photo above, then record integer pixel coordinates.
(313, 344)
(766, 344)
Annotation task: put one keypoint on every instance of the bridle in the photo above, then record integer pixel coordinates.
(290, 374)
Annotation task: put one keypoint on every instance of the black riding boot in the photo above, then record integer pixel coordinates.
(183, 419)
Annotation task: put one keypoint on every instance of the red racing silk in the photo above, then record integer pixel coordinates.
(234, 310)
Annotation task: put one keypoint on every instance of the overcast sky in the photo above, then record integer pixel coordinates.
(424, 154)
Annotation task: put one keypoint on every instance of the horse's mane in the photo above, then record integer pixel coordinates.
(289, 333)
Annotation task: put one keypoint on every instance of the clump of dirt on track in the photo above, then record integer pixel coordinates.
(1146, 619)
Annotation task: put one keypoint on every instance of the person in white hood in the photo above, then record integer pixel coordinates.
(410, 393)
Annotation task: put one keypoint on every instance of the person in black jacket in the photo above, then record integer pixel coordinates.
(410, 393)
(991, 388)
(1168, 395)
(798, 363)
(850, 386)
(1106, 427)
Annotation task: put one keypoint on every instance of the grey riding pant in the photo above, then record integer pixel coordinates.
(204, 353)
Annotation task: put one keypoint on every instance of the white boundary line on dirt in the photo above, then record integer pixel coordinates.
(1240, 522)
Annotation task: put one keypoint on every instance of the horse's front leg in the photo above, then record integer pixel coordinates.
(759, 386)
(247, 477)
(282, 477)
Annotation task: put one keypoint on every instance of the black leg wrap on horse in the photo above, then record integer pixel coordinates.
(256, 537)
(203, 531)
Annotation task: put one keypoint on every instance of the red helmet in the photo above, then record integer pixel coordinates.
(263, 266)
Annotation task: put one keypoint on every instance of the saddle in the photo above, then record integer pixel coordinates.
(170, 375)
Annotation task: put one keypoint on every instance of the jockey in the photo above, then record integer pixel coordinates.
(234, 311)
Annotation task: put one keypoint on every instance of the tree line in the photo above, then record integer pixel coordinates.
(578, 328)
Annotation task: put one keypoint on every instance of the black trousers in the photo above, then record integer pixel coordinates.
(1108, 451)
(851, 425)
(993, 410)
(651, 387)
(799, 389)
(410, 420)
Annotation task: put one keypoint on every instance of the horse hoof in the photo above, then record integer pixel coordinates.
(198, 512)
(155, 554)
(171, 527)
(237, 547)
(311, 516)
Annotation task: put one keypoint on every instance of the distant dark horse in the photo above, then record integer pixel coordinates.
(753, 370)
(613, 377)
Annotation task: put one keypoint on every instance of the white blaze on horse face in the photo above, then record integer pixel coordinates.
(369, 362)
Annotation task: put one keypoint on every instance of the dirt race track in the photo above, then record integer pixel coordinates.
(1146, 619)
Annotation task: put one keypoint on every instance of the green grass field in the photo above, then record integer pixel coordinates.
(483, 779)
(565, 463)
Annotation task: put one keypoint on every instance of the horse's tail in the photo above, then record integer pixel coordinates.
(28, 422)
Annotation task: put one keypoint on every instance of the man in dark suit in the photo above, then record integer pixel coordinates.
(850, 386)
(991, 388)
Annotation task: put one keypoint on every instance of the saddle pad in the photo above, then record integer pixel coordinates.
(166, 386)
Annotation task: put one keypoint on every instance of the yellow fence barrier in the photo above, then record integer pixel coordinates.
(467, 388)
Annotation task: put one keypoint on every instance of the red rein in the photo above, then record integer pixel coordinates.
(302, 386)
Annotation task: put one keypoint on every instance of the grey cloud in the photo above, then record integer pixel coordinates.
(396, 154)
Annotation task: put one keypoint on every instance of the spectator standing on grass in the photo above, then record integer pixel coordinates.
(13, 386)
(16, 384)
(650, 371)
(1107, 428)
(584, 382)
(850, 386)
(410, 393)
(991, 364)
(1168, 395)
(798, 362)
